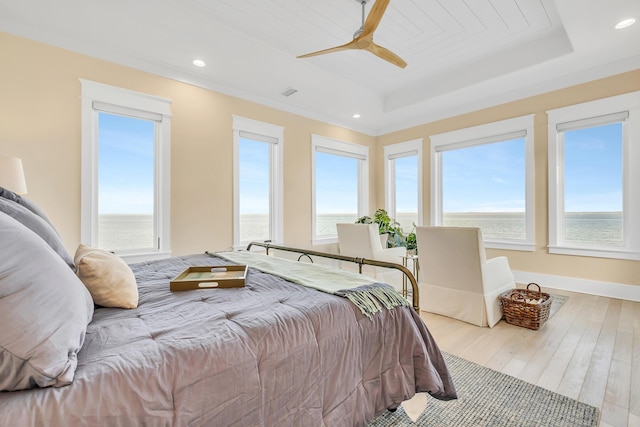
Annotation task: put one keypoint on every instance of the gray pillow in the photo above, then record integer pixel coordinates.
(38, 225)
(44, 311)
(8, 194)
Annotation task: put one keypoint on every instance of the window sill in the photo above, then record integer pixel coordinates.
(595, 252)
(324, 241)
(512, 246)
(144, 256)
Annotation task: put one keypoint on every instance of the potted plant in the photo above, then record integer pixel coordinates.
(411, 242)
(386, 225)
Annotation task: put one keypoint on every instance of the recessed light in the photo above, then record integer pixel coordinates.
(199, 63)
(356, 116)
(625, 23)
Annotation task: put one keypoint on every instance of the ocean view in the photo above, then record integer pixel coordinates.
(580, 227)
(121, 232)
(602, 227)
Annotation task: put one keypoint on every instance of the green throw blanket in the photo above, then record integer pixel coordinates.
(368, 295)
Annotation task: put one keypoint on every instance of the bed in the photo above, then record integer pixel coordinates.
(272, 353)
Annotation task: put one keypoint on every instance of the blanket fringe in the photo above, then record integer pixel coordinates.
(369, 300)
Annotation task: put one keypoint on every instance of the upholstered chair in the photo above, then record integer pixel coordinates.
(456, 279)
(363, 241)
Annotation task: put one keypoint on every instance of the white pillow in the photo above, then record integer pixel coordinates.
(107, 277)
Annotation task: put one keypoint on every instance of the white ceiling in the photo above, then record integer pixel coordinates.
(462, 55)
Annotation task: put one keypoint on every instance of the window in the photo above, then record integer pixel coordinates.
(258, 185)
(126, 148)
(483, 177)
(125, 171)
(593, 182)
(340, 186)
(403, 182)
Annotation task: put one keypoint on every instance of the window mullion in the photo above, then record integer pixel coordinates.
(393, 188)
(157, 197)
(560, 191)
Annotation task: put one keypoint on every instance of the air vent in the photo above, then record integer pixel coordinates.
(289, 91)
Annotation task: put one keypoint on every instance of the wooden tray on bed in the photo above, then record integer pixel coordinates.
(210, 277)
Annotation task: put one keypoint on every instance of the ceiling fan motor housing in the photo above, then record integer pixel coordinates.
(361, 29)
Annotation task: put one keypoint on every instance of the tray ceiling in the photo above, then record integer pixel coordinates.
(462, 55)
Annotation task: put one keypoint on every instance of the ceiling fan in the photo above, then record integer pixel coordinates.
(363, 38)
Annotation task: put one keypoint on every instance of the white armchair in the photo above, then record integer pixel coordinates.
(456, 279)
(363, 241)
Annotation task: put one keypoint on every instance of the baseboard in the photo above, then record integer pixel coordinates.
(585, 286)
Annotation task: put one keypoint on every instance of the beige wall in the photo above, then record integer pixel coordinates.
(40, 114)
(539, 261)
(40, 123)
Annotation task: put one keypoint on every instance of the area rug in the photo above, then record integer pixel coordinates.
(490, 398)
(558, 301)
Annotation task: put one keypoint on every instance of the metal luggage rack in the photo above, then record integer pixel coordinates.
(360, 261)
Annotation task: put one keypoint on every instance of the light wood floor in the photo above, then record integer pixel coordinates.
(589, 350)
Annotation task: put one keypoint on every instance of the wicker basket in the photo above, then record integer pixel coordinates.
(518, 311)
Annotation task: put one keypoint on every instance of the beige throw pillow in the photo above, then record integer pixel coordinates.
(109, 279)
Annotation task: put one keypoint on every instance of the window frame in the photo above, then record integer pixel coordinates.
(591, 114)
(342, 148)
(391, 153)
(503, 130)
(273, 135)
(97, 98)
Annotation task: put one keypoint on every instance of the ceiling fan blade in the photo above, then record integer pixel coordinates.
(350, 45)
(364, 40)
(374, 17)
(387, 55)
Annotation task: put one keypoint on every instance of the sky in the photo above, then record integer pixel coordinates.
(407, 184)
(486, 178)
(593, 169)
(490, 177)
(126, 165)
(254, 176)
(336, 173)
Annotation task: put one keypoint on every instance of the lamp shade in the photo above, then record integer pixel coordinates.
(12, 174)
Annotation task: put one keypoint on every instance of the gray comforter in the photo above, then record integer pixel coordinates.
(270, 354)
